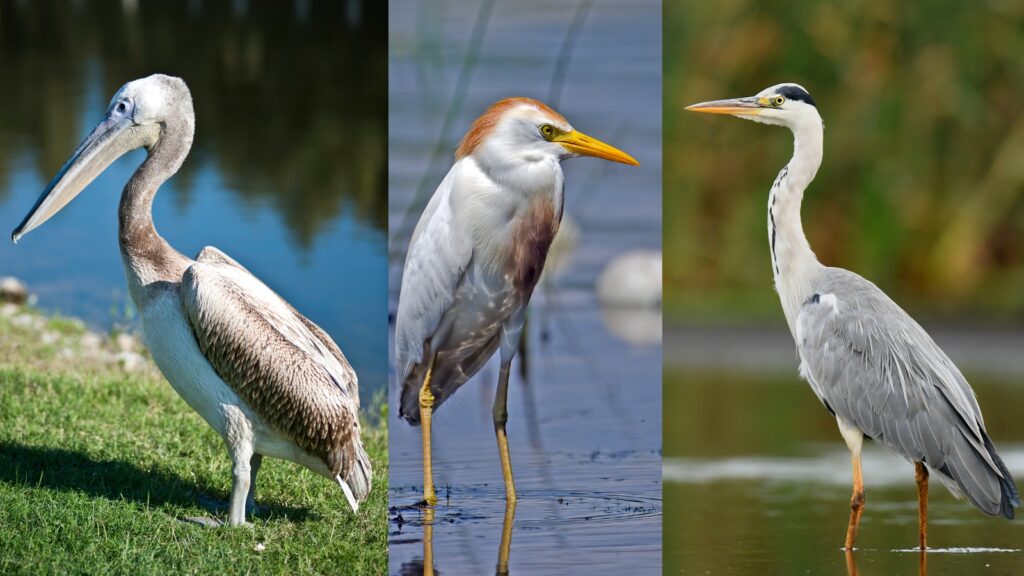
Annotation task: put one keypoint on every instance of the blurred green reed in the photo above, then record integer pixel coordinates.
(922, 185)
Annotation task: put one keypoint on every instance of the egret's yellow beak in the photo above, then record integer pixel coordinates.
(735, 106)
(579, 143)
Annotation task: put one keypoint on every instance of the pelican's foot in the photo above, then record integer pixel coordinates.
(214, 506)
(206, 521)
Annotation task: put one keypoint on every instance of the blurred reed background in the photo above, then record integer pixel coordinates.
(922, 184)
(921, 190)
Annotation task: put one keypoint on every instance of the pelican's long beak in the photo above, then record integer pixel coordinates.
(734, 106)
(99, 149)
(579, 143)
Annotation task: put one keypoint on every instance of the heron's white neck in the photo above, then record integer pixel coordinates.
(793, 263)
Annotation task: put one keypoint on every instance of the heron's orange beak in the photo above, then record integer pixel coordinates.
(579, 143)
(735, 106)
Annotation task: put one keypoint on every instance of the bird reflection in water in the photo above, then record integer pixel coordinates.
(425, 566)
(851, 563)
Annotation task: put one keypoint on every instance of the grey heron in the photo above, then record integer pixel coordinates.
(476, 255)
(871, 365)
(266, 378)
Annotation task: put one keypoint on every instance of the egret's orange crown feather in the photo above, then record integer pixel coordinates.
(485, 124)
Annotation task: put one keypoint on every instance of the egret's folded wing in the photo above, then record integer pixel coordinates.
(284, 367)
(438, 255)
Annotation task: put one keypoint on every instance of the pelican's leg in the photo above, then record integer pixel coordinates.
(856, 501)
(240, 485)
(500, 413)
(922, 503)
(426, 406)
(254, 468)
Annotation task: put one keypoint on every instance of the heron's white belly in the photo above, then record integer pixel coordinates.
(168, 335)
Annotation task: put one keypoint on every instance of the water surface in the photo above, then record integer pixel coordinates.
(758, 479)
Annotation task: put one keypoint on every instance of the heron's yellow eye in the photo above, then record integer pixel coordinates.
(778, 101)
(547, 131)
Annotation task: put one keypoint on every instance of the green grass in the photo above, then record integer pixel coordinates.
(98, 464)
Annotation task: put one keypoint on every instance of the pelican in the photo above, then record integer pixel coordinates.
(268, 380)
(871, 365)
(476, 255)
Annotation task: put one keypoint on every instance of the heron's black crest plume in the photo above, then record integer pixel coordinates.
(794, 92)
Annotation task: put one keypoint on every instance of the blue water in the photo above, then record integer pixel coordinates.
(72, 262)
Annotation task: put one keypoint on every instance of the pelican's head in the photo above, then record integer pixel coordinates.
(135, 118)
(526, 130)
(786, 104)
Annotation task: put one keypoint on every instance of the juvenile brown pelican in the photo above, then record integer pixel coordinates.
(268, 380)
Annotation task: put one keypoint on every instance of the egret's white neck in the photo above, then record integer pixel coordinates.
(793, 262)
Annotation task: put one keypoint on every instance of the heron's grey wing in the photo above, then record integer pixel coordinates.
(439, 253)
(282, 369)
(873, 366)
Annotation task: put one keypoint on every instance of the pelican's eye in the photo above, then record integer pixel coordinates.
(547, 131)
(778, 101)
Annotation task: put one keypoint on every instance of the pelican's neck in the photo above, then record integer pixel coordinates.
(150, 262)
(793, 262)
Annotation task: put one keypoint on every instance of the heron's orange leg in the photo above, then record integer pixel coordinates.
(500, 413)
(851, 564)
(922, 503)
(426, 407)
(856, 502)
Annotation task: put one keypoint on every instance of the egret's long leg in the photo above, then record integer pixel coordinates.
(506, 539)
(921, 473)
(500, 413)
(856, 501)
(426, 407)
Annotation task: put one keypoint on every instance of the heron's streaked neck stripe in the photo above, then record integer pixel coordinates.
(793, 262)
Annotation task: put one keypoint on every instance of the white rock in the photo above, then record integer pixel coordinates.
(631, 279)
(13, 290)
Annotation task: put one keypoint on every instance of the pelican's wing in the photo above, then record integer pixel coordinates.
(874, 367)
(282, 365)
(438, 255)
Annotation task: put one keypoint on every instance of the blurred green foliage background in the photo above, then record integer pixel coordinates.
(922, 185)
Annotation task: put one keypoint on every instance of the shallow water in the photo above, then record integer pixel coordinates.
(584, 427)
(758, 481)
(286, 174)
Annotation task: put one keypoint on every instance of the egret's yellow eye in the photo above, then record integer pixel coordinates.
(547, 131)
(778, 101)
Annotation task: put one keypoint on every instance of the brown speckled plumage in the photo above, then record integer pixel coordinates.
(272, 357)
